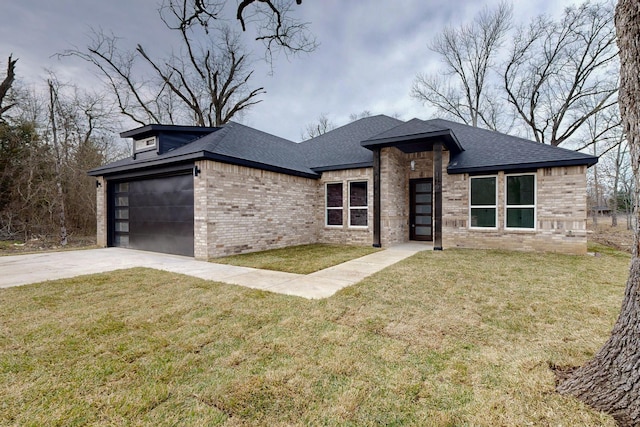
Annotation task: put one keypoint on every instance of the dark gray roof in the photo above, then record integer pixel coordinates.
(473, 150)
(341, 148)
(490, 151)
(233, 143)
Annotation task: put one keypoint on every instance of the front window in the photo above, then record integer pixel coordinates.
(334, 204)
(358, 208)
(521, 205)
(483, 205)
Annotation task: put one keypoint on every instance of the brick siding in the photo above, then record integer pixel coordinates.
(239, 209)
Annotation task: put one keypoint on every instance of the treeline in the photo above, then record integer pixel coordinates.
(49, 138)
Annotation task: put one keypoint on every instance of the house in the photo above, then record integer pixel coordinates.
(210, 192)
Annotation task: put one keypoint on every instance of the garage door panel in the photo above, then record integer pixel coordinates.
(164, 214)
(159, 214)
(164, 198)
(165, 228)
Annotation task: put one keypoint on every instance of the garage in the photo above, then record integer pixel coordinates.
(153, 214)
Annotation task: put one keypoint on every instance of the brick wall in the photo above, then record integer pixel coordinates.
(239, 209)
(560, 214)
(394, 195)
(345, 234)
(101, 212)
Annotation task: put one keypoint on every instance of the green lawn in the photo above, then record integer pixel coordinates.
(303, 259)
(458, 337)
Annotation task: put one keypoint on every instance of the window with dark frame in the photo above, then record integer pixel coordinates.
(520, 204)
(483, 202)
(334, 204)
(358, 204)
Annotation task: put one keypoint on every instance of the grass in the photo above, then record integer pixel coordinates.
(303, 259)
(452, 338)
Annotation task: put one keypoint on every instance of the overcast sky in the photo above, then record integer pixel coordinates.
(369, 53)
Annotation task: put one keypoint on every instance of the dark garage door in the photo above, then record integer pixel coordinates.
(154, 214)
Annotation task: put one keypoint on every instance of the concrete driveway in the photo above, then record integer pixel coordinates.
(24, 269)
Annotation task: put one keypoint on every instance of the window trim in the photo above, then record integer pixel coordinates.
(495, 206)
(327, 208)
(534, 206)
(350, 207)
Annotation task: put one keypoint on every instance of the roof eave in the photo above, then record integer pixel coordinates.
(200, 155)
(522, 166)
(343, 167)
(154, 128)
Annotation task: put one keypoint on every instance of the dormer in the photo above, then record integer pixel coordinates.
(153, 140)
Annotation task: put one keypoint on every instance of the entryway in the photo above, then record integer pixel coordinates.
(421, 209)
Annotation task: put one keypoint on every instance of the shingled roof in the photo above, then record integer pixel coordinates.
(489, 151)
(473, 150)
(233, 143)
(341, 148)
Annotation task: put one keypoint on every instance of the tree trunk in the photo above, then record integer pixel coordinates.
(58, 168)
(610, 382)
(616, 182)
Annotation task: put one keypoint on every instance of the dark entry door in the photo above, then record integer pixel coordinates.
(421, 215)
(154, 214)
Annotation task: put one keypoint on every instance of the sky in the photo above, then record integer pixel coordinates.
(368, 55)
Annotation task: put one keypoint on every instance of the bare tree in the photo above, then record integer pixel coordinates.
(53, 104)
(620, 161)
(322, 126)
(275, 26)
(206, 84)
(462, 90)
(556, 68)
(5, 86)
(361, 115)
(610, 381)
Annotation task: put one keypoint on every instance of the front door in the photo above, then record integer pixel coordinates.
(421, 214)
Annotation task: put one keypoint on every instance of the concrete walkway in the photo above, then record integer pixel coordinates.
(24, 269)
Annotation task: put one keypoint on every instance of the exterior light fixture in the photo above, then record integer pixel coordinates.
(413, 165)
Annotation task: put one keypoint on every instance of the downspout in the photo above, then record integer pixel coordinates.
(376, 198)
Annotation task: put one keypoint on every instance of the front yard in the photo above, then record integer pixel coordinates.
(458, 337)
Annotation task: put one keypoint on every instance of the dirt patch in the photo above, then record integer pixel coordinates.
(45, 244)
(618, 237)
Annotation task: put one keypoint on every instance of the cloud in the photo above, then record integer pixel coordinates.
(368, 56)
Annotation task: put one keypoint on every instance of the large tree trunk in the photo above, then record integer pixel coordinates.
(611, 380)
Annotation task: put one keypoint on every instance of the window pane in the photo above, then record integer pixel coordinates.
(122, 187)
(357, 194)
(520, 190)
(122, 226)
(122, 213)
(122, 201)
(423, 209)
(424, 187)
(423, 231)
(334, 195)
(483, 191)
(520, 218)
(423, 220)
(483, 217)
(334, 216)
(423, 198)
(358, 217)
